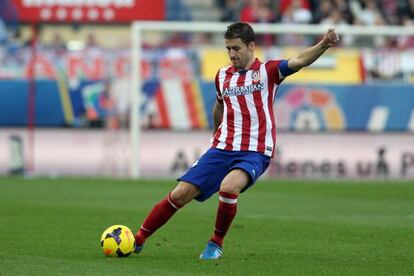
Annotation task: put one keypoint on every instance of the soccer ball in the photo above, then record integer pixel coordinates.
(117, 241)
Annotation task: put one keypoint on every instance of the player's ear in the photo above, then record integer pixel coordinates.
(252, 45)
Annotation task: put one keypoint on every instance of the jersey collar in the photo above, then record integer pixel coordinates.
(255, 66)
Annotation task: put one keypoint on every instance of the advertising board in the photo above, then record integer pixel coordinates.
(166, 154)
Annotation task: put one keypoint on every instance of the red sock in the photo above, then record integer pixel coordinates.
(225, 214)
(159, 215)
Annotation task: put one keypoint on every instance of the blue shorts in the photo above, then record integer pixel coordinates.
(208, 172)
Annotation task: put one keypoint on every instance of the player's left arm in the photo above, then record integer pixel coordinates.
(309, 55)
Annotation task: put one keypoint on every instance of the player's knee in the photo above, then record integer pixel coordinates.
(184, 193)
(230, 189)
(234, 182)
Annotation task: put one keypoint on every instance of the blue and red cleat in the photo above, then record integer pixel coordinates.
(211, 252)
(138, 248)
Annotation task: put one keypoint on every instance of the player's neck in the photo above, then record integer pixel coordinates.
(249, 64)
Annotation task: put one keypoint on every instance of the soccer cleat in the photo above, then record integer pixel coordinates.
(211, 252)
(138, 248)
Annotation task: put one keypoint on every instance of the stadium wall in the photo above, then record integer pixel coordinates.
(105, 153)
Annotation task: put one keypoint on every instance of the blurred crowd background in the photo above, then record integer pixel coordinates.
(65, 86)
(326, 12)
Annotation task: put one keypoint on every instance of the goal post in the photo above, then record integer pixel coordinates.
(138, 28)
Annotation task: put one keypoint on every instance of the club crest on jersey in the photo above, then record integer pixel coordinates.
(256, 77)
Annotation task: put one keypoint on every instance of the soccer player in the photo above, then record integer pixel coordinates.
(244, 134)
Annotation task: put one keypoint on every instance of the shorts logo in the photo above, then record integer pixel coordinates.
(256, 76)
(195, 163)
(269, 148)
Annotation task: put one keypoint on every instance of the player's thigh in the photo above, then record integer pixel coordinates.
(184, 192)
(235, 181)
(208, 172)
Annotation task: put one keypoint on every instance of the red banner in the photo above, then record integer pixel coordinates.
(89, 11)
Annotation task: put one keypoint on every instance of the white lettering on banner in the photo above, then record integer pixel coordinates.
(378, 118)
(77, 3)
(61, 14)
(411, 121)
(77, 14)
(93, 14)
(108, 14)
(45, 14)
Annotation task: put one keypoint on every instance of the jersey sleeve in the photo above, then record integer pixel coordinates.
(278, 70)
(218, 92)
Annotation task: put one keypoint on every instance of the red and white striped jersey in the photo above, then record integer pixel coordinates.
(248, 121)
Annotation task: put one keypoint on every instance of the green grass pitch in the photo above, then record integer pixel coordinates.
(53, 227)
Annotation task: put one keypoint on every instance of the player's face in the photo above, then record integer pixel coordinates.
(239, 53)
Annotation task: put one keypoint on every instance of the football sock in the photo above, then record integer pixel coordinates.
(158, 216)
(225, 214)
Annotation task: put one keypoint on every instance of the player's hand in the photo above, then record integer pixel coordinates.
(330, 38)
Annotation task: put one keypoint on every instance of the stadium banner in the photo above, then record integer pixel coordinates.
(376, 108)
(106, 153)
(91, 11)
(309, 108)
(368, 107)
(94, 83)
(14, 103)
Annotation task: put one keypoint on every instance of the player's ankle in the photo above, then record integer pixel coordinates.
(217, 240)
(139, 239)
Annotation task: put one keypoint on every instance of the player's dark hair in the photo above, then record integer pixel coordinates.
(240, 30)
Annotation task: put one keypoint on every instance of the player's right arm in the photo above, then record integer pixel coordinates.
(217, 114)
(218, 108)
